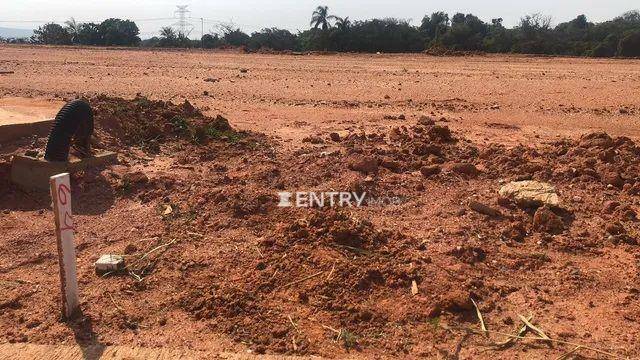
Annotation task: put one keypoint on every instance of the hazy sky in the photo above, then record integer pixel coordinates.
(252, 15)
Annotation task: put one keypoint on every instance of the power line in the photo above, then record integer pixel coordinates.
(80, 21)
(186, 23)
(23, 21)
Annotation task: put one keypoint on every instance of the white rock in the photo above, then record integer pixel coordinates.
(530, 193)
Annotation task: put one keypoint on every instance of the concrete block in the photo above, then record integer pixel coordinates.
(109, 263)
(33, 174)
(10, 132)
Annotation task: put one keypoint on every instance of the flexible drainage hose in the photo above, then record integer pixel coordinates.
(73, 121)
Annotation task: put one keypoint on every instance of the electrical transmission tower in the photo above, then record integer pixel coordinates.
(184, 26)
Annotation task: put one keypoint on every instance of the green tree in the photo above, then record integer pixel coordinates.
(499, 39)
(383, 35)
(171, 38)
(630, 45)
(273, 38)
(434, 26)
(51, 34)
(210, 41)
(119, 32)
(306, 40)
(606, 48)
(534, 35)
(574, 37)
(467, 32)
(89, 34)
(234, 36)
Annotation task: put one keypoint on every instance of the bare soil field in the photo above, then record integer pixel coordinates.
(20, 110)
(206, 141)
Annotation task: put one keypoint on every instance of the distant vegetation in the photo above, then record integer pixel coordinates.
(111, 32)
(437, 32)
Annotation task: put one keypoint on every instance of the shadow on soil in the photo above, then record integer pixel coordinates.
(86, 338)
(92, 195)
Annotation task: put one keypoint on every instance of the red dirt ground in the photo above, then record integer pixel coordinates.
(237, 273)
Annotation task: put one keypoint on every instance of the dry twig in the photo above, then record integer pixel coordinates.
(331, 272)
(533, 327)
(508, 341)
(114, 303)
(482, 324)
(585, 347)
(332, 329)
(570, 353)
(302, 280)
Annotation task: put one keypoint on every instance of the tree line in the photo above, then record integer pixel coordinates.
(110, 32)
(534, 34)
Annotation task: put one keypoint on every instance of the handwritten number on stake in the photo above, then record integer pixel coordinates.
(63, 190)
(67, 221)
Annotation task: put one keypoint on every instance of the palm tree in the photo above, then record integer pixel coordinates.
(167, 32)
(321, 17)
(342, 24)
(340, 37)
(73, 28)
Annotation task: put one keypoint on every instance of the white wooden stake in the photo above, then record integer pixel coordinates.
(61, 196)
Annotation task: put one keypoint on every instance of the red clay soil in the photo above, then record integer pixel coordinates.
(215, 263)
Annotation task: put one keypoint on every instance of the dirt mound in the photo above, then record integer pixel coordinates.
(328, 263)
(442, 51)
(593, 158)
(337, 228)
(594, 163)
(146, 123)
